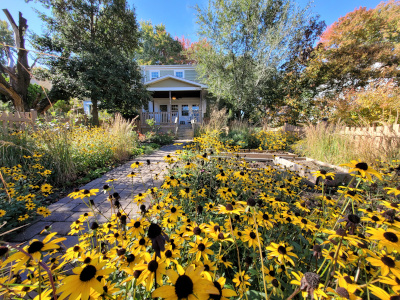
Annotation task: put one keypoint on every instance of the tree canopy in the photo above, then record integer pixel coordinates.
(157, 46)
(95, 41)
(250, 41)
(361, 46)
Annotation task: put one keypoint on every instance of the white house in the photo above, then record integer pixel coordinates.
(178, 96)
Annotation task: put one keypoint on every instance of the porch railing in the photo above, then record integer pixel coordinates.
(160, 118)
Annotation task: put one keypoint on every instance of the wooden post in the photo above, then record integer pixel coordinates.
(170, 107)
(201, 107)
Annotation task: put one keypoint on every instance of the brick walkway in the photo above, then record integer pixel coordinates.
(67, 210)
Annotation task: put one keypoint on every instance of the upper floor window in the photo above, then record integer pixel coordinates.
(179, 74)
(154, 74)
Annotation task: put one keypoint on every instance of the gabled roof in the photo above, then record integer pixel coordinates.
(166, 77)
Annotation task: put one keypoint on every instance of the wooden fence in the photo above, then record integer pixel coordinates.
(17, 120)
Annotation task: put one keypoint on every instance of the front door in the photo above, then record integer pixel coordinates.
(185, 114)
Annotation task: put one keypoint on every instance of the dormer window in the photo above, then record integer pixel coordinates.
(154, 74)
(180, 74)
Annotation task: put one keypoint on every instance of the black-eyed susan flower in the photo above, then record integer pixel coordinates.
(84, 281)
(224, 294)
(363, 168)
(250, 236)
(35, 249)
(186, 285)
(382, 294)
(281, 252)
(395, 190)
(388, 238)
(387, 263)
(241, 280)
(136, 164)
(152, 271)
(201, 248)
(323, 174)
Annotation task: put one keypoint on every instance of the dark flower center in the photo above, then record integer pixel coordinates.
(152, 266)
(130, 258)
(197, 230)
(394, 297)
(275, 282)
(282, 250)
(348, 279)
(265, 217)
(217, 228)
(201, 247)
(3, 250)
(304, 221)
(252, 235)
(375, 218)
(137, 224)
(173, 209)
(86, 192)
(272, 273)
(87, 260)
(362, 166)
(35, 247)
(391, 237)
(142, 242)
(168, 253)
(354, 219)
(206, 268)
(351, 193)
(229, 207)
(183, 287)
(76, 248)
(88, 273)
(154, 231)
(343, 292)
(216, 297)
(388, 261)
(221, 236)
(323, 172)
(241, 173)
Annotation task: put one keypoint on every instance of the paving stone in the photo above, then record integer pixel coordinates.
(62, 228)
(30, 232)
(67, 210)
(59, 216)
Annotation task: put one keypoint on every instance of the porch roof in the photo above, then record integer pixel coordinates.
(173, 83)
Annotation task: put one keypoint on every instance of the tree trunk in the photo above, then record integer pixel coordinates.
(17, 87)
(95, 113)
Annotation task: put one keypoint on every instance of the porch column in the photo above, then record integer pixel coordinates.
(201, 106)
(170, 107)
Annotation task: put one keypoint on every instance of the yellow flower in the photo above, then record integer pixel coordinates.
(186, 285)
(363, 168)
(2, 213)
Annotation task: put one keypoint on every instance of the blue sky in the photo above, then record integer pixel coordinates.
(179, 16)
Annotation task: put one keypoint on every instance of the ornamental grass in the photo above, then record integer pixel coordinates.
(219, 229)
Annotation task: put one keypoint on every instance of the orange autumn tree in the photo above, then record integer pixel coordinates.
(359, 48)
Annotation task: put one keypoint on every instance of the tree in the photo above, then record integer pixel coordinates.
(250, 41)
(360, 47)
(6, 37)
(157, 47)
(95, 41)
(15, 77)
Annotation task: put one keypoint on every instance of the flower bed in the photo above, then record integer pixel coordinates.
(218, 230)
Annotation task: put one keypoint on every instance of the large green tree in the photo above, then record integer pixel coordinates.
(96, 41)
(6, 37)
(250, 40)
(363, 45)
(157, 46)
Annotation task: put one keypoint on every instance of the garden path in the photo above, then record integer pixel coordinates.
(67, 210)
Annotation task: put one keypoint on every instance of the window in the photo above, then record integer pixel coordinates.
(185, 110)
(163, 107)
(154, 74)
(174, 108)
(179, 74)
(195, 107)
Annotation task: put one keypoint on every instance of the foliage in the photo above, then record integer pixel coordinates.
(6, 37)
(97, 41)
(162, 138)
(249, 43)
(70, 151)
(325, 142)
(215, 222)
(360, 47)
(377, 102)
(157, 46)
(23, 190)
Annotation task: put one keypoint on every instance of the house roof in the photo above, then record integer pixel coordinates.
(184, 84)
